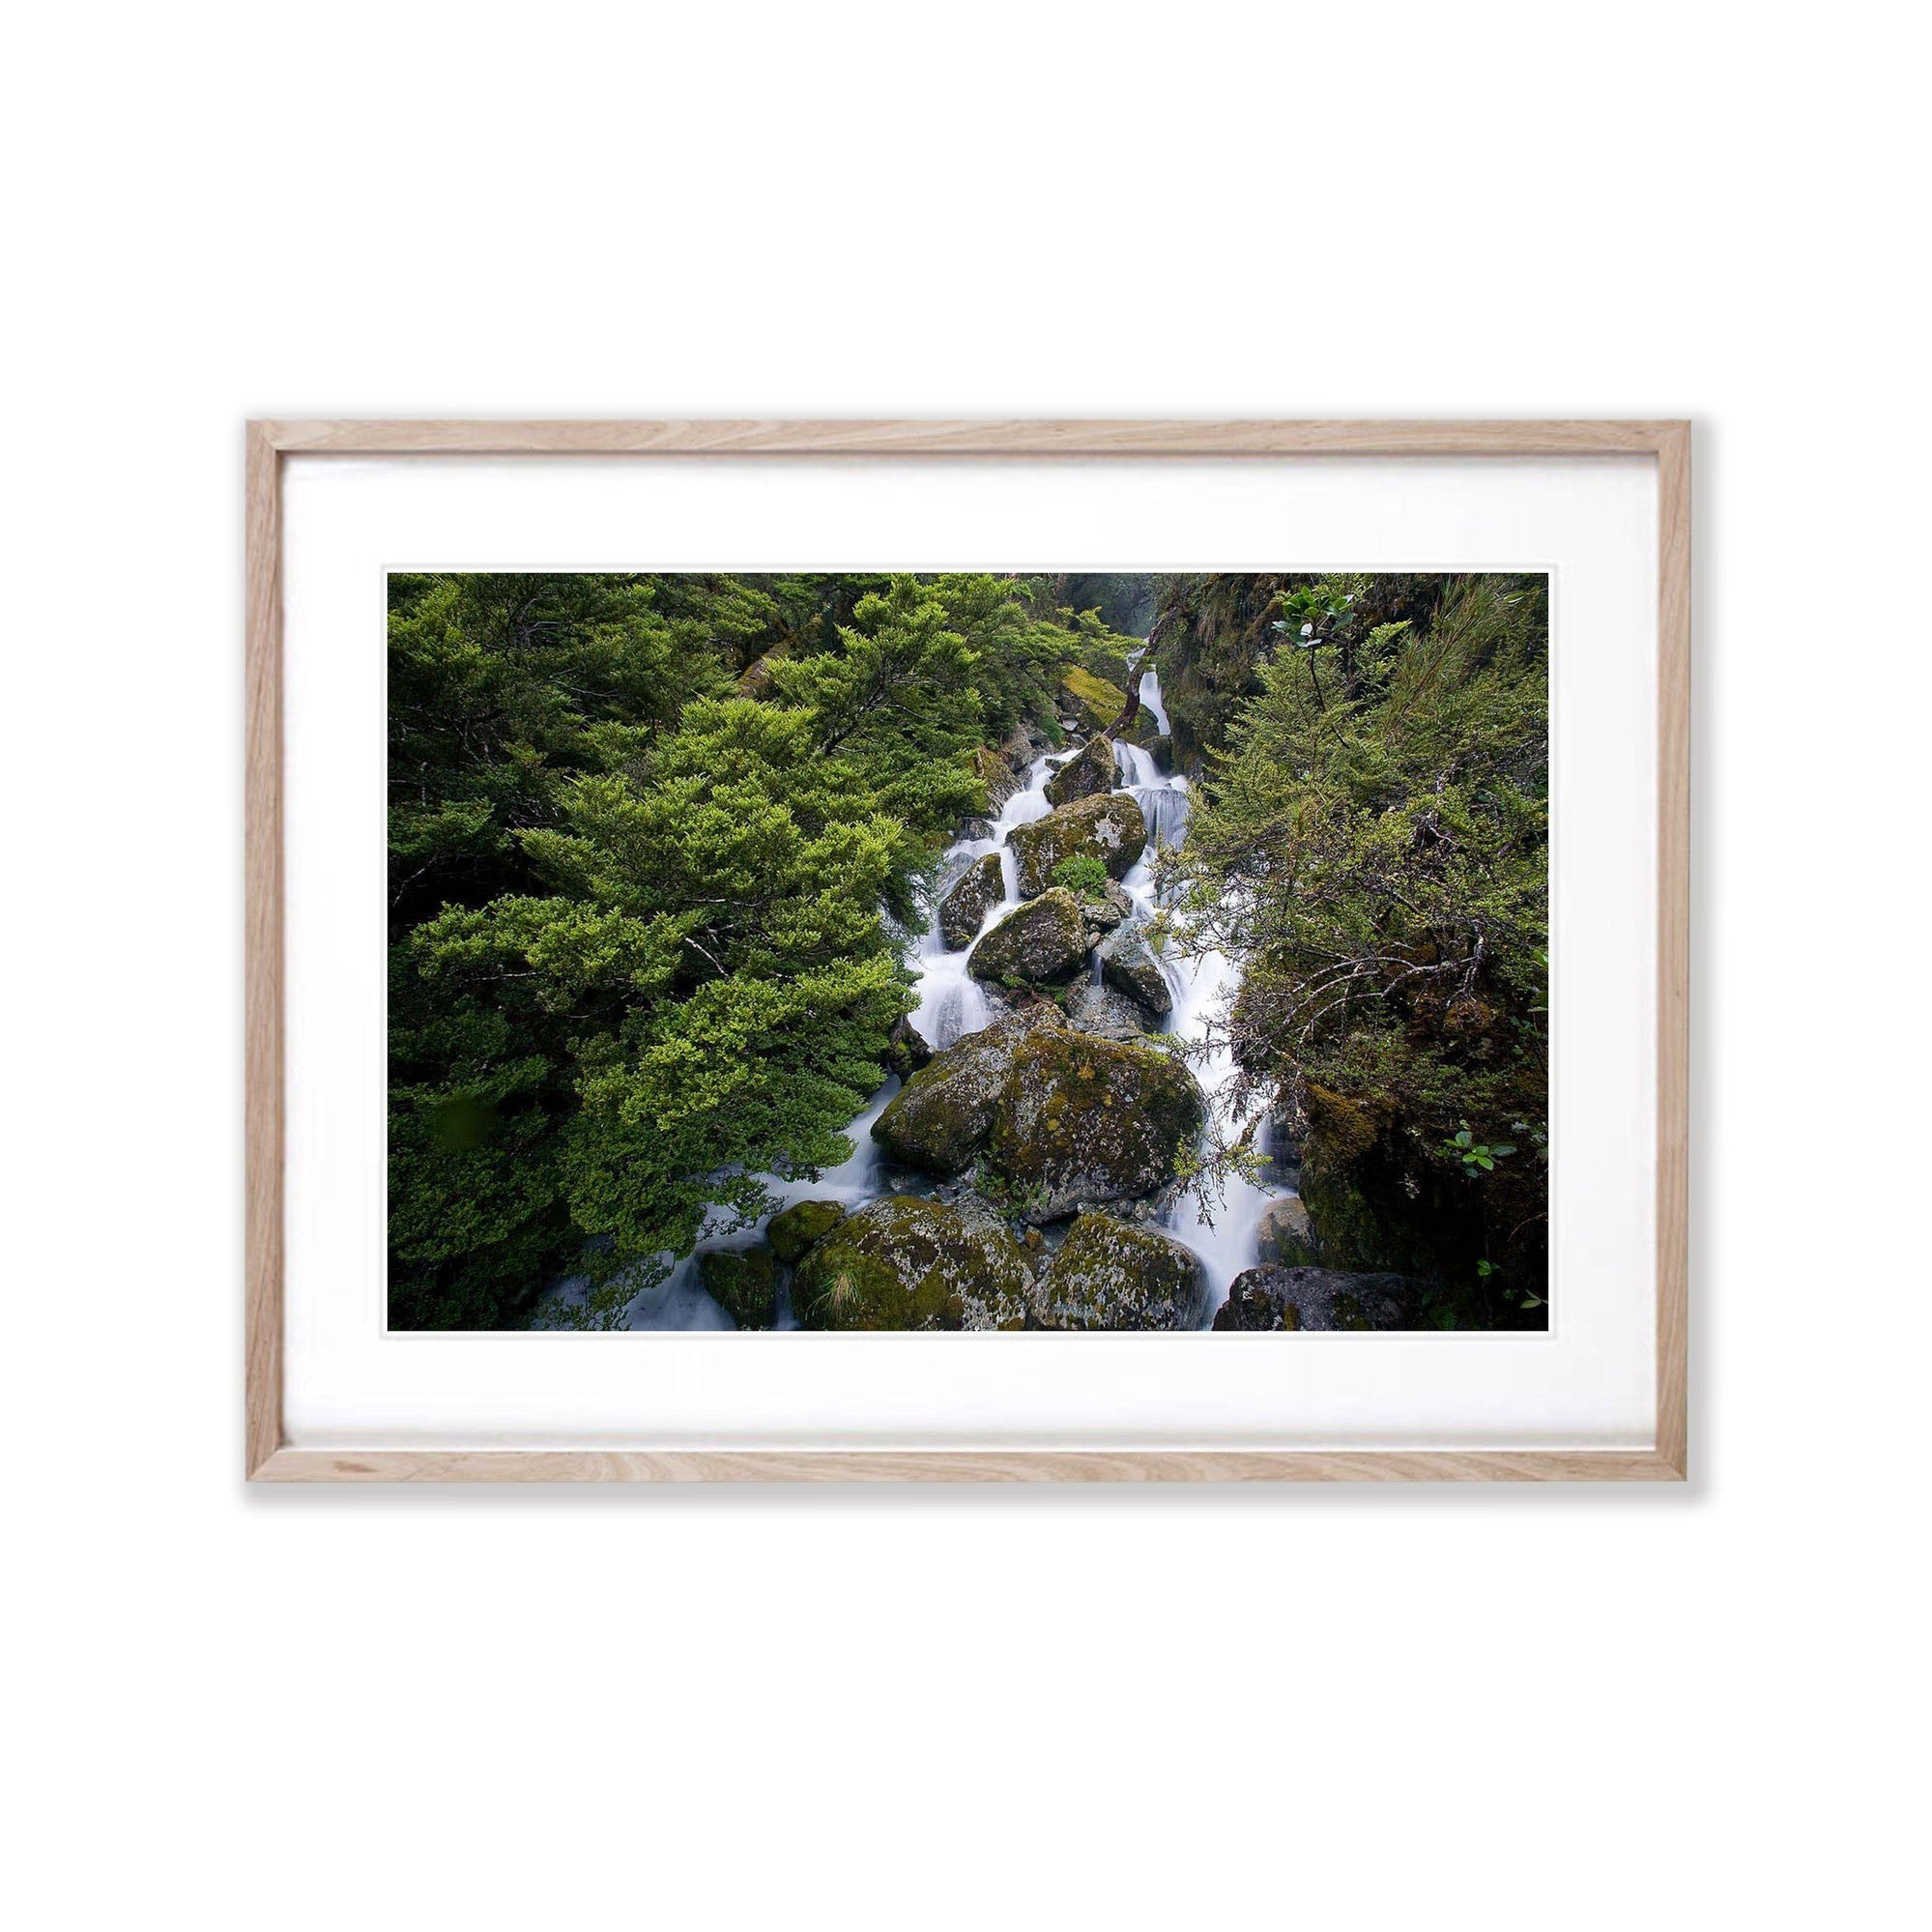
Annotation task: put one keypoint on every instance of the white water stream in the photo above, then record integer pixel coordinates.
(952, 1004)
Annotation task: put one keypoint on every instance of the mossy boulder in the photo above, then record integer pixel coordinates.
(1090, 701)
(1282, 1234)
(1093, 770)
(903, 1262)
(1041, 943)
(1081, 1120)
(1109, 1275)
(797, 1227)
(980, 888)
(937, 1121)
(1272, 1297)
(996, 774)
(743, 1282)
(1128, 965)
(907, 1049)
(1111, 827)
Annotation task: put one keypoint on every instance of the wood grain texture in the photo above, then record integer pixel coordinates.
(270, 1459)
(1673, 947)
(263, 966)
(938, 438)
(1018, 1465)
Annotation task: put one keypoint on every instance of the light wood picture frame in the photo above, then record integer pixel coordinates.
(269, 1456)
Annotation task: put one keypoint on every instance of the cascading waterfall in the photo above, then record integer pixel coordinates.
(1202, 986)
(951, 1004)
(1150, 696)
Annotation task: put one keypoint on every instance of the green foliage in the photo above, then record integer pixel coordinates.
(655, 845)
(1477, 1158)
(1083, 875)
(1122, 601)
(1214, 634)
(1371, 849)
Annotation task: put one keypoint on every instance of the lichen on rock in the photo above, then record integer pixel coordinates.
(1127, 962)
(1269, 1298)
(1109, 1275)
(1094, 769)
(938, 1119)
(1042, 943)
(976, 892)
(1093, 702)
(1112, 827)
(1093, 1007)
(903, 1262)
(1081, 1118)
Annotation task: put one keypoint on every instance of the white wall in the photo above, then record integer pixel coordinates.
(913, 1710)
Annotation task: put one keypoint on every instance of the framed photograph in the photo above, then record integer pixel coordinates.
(968, 951)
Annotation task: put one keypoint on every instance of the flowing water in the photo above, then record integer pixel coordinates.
(952, 1004)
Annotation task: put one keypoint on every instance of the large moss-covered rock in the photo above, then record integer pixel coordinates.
(1043, 943)
(1081, 1120)
(743, 1282)
(902, 1262)
(797, 1227)
(1090, 701)
(1111, 827)
(1094, 770)
(980, 888)
(1127, 962)
(938, 1119)
(1109, 1275)
(1271, 1298)
(992, 771)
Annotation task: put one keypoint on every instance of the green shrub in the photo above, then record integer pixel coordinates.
(1083, 875)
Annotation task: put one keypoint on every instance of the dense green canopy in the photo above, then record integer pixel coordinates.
(1373, 853)
(655, 845)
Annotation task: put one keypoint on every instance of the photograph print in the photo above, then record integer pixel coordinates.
(968, 951)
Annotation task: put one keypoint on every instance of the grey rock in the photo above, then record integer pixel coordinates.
(1107, 1275)
(903, 1262)
(1081, 1120)
(1269, 1298)
(1093, 771)
(1282, 1234)
(979, 889)
(1043, 943)
(1128, 964)
(1101, 1010)
(907, 1049)
(938, 1119)
(1111, 908)
(1111, 827)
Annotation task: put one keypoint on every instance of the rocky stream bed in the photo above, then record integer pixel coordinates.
(1018, 1171)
